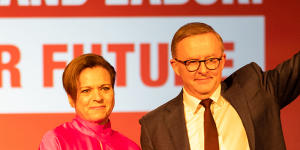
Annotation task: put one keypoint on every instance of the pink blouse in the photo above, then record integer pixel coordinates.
(80, 134)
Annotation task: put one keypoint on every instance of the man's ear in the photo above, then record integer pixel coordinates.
(71, 101)
(223, 61)
(174, 65)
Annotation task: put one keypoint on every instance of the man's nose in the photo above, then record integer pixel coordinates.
(202, 68)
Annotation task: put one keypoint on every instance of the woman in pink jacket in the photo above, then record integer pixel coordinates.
(89, 82)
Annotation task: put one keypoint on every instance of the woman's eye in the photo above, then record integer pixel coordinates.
(106, 88)
(85, 91)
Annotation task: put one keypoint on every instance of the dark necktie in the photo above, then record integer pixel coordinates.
(210, 129)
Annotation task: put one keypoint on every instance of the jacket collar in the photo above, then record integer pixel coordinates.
(175, 121)
(234, 95)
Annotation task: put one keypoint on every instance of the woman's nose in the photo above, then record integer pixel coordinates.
(97, 95)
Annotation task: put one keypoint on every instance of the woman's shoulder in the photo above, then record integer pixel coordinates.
(53, 134)
(53, 139)
(49, 141)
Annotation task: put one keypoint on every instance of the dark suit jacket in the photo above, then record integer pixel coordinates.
(257, 97)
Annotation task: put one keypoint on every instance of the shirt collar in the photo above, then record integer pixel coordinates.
(192, 102)
(100, 130)
(216, 95)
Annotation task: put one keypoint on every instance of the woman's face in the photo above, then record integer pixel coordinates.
(95, 95)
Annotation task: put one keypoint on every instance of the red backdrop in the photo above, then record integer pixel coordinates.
(282, 26)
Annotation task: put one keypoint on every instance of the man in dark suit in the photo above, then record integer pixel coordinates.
(245, 106)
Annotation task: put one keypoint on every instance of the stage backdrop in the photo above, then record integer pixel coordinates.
(39, 37)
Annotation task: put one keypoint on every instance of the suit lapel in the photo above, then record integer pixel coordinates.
(175, 121)
(234, 95)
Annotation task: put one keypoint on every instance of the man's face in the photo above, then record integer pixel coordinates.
(95, 95)
(202, 82)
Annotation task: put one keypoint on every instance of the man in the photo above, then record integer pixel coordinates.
(245, 107)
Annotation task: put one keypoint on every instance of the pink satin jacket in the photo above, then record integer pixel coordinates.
(80, 134)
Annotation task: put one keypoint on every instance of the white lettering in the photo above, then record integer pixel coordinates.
(227, 2)
(116, 2)
(73, 2)
(230, 2)
(257, 1)
(36, 2)
(51, 2)
(206, 2)
(47, 2)
(244, 2)
(155, 2)
(133, 2)
(175, 2)
(4, 2)
(126, 2)
(136, 2)
(23, 2)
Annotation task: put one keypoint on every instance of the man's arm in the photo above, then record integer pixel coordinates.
(284, 81)
(145, 139)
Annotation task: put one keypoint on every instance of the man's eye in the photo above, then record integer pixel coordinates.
(211, 59)
(191, 62)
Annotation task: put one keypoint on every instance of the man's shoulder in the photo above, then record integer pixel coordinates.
(251, 67)
(245, 77)
(248, 71)
(156, 114)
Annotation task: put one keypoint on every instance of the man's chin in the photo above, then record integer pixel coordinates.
(204, 91)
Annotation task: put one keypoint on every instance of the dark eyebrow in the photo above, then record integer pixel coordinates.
(106, 84)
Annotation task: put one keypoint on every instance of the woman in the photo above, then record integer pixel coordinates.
(89, 82)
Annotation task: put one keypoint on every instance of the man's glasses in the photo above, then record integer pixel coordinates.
(194, 64)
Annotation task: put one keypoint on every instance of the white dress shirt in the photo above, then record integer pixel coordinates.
(231, 132)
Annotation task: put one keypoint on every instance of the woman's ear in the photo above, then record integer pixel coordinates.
(71, 101)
